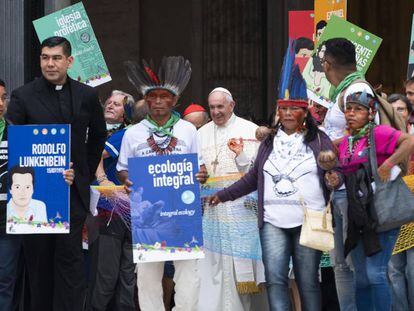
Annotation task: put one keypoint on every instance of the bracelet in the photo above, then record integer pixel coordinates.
(388, 164)
(101, 178)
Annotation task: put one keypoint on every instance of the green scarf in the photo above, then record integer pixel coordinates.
(2, 127)
(175, 117)
(361, 133)
(334, 92)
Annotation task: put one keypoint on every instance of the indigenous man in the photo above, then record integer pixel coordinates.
(228, 146)
(162, 132)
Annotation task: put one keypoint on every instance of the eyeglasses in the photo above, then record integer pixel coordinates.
(401, 109)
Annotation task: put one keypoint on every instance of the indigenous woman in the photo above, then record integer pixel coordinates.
(370, 251)
(288, 179)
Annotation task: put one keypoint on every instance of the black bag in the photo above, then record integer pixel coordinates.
(393, 201)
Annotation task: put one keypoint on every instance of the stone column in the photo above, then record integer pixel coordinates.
(12, 42)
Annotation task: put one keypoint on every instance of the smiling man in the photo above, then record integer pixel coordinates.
(54, 263)
(227, 147)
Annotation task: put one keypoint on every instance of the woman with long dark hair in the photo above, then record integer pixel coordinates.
(288, 179)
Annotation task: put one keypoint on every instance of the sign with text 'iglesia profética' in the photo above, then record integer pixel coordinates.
(72, 23)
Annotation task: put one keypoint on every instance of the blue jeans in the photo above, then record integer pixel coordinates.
(371, 274)
(9, 258)
(401, 275)
(344, 276)
(278, 246)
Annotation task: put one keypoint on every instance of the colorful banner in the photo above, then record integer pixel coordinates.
(324, 10)
(166, 219)
(301, 24)
(224, 223)
(89, 66)
(410, 71)
(301, 30)
(38, 198)
(366, 46)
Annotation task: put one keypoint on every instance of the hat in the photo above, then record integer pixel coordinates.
(363, 99)
(221, 89)
(173, 75)
(292, 86)
(193, 108)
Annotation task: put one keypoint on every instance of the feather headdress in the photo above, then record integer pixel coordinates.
(173, 75)
(292, 86)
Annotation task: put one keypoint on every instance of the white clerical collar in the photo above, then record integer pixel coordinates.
(58, 87)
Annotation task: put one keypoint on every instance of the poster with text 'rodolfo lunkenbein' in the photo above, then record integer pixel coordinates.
(38, 197)
(165, 208)
(89, 65)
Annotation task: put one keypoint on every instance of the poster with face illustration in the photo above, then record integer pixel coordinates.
(301, 30)
(38, 196)
(366, 46)
(324, 10)
(165, 208)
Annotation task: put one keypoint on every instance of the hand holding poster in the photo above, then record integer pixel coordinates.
(38, 198)
(165, 208)
(72, 23)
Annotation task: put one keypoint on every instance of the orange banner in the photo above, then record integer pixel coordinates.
(324, 9)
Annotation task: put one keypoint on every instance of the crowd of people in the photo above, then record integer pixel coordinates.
(306, 157)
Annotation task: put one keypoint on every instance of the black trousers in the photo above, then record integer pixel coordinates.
(54, 265)
(112, 281)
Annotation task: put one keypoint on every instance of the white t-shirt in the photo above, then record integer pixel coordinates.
(335, 123)
(134, 143)
(36, 211)
(290, 176)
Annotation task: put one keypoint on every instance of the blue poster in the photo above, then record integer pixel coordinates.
(166, 213)
(38, 197)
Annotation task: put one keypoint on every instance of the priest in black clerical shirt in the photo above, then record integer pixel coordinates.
(54, 263)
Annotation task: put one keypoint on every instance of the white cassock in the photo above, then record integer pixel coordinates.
(221, 274)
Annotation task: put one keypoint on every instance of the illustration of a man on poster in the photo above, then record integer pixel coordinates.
(22, 205)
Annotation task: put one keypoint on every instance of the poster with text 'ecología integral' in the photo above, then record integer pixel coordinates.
(166, 213)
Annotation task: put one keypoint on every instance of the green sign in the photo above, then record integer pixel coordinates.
(366, 46)
(89, 66)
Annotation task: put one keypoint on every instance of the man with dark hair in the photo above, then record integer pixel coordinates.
(339, 66)
(54, 263)
(57, 41)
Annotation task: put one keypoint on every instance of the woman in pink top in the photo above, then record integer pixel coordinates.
(370, 251)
